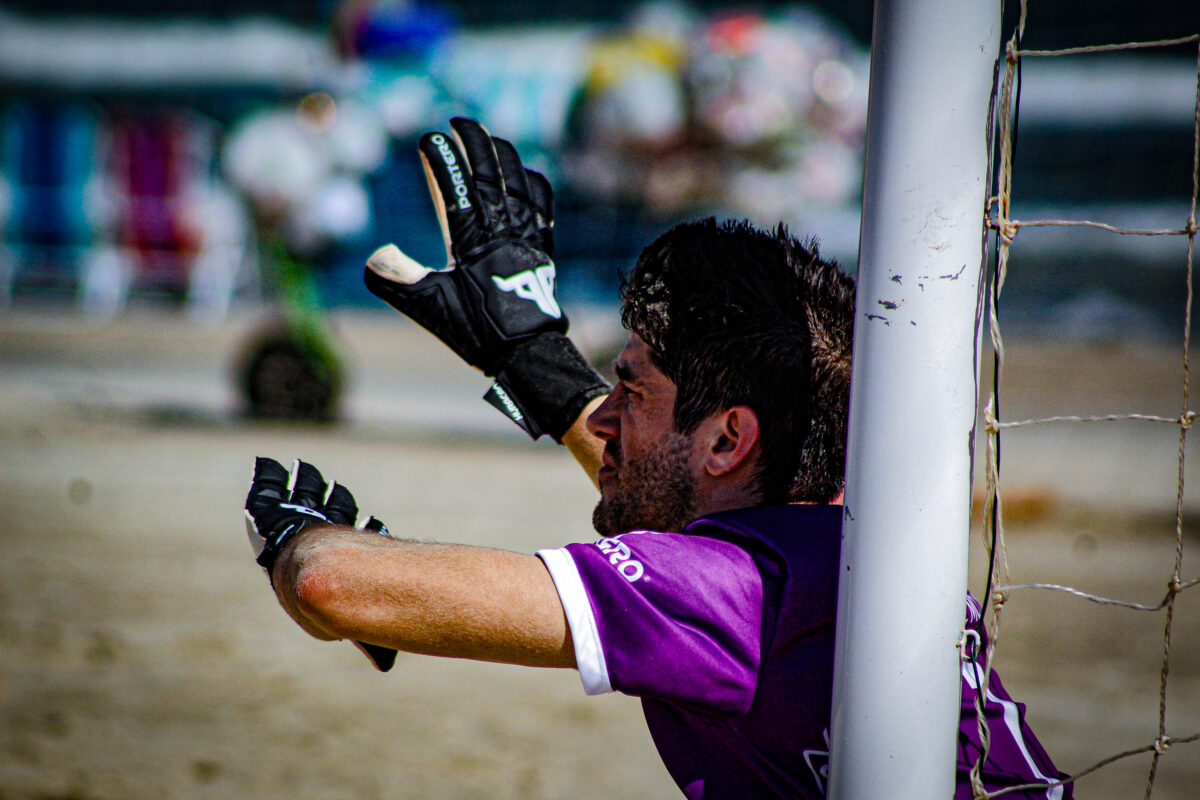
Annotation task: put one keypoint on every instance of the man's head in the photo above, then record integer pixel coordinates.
(715, 395)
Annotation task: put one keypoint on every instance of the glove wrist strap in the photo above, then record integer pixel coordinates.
(275, 542)
(545, 384)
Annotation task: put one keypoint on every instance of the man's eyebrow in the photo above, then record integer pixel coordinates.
(622, 371)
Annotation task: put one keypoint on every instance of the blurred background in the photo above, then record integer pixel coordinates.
(199, 154)
(188, 191)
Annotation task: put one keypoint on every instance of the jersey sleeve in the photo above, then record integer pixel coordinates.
(671, 616)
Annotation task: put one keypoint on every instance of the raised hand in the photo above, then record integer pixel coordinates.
(496, 218)
(494, 304)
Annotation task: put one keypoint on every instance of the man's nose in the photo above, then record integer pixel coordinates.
(602, 423)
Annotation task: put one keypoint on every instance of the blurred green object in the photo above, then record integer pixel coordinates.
(289, 367)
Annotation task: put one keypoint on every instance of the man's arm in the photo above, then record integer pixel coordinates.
(435, 599)
(342, 582)
(497, 220)
(586, 448)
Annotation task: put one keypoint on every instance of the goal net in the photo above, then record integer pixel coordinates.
(1107, 743)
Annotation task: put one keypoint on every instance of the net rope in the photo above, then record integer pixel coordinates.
(1000, 220)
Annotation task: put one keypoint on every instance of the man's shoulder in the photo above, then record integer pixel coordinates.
(772, 540)
(772, 522)
(798, 542)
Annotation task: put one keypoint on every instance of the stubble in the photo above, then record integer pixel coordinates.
(655, 492)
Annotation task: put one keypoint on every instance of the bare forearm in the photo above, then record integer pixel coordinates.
(448, 600)
(585, 447)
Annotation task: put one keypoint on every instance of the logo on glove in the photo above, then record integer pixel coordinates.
(460, 186)
(304, 510)
(536, 285)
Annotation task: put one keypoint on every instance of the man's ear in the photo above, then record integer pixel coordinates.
(733, 437)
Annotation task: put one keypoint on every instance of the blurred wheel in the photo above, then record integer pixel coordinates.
(283, 377)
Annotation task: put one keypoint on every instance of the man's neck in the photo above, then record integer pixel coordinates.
(727, 497)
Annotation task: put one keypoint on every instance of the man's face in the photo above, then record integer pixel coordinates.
(647, 480)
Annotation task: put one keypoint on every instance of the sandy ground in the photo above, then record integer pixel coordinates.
(142, 656)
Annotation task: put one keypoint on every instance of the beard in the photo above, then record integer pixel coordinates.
(656, 492)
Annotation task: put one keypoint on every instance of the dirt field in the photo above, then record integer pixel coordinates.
(142, 656)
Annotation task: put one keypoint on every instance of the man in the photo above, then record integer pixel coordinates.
(710, 596)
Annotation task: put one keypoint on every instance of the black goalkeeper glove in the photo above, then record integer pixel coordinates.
(494, 305)
(281, 504)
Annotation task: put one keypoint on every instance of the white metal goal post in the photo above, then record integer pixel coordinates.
(913, 400)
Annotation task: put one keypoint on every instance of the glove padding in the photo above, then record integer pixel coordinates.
(496, 298)
(280, 504)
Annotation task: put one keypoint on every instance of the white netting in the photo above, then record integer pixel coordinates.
(1000, 585)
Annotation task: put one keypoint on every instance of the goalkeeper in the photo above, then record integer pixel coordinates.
(718, 455)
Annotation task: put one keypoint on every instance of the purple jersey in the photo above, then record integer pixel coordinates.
(726, 633)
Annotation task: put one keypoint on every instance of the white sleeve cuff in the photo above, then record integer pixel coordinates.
(589, 655)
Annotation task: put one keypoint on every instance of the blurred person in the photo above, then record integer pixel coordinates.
(712, 593)
(301, 169)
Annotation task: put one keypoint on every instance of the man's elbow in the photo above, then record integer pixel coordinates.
(319, 589)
